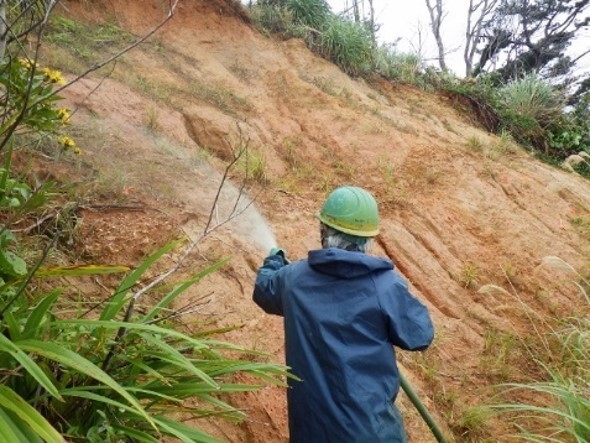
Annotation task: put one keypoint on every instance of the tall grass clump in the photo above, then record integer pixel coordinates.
(273, 19)
(528, 106)
(347, 44)
(404, 67)
(560, 409)
(291, 18)
(312, 13)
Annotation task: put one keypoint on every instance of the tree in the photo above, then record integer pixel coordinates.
(533, 36)
(478, 13)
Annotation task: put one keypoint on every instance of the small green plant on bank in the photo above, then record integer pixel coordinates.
(472, 423)
(252, 165)
(469, 274)
(152, 119)
(474, 143)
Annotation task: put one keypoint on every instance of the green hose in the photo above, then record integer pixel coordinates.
(421, 409)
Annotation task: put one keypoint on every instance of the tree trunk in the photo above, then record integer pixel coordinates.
(436, 18)
(372, 21)
(356, 11)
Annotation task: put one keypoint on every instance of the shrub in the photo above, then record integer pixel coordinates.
(119, 375)
(528, 106)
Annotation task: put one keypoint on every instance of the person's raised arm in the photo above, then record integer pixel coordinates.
(267, 288)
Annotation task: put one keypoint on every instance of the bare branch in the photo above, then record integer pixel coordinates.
(473, 32)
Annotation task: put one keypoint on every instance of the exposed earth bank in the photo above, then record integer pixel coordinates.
(461, 208)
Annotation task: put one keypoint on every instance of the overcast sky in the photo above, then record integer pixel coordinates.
(409, 19)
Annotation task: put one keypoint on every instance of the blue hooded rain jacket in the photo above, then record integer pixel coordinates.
(342, 312)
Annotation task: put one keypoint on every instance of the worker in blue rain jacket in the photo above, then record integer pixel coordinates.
(343, 312)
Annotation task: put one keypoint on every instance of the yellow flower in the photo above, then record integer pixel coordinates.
(26, 63)
(64, 115)
(53, 76)
(67, 142)
(77, 150)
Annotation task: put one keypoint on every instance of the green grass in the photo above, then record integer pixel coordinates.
(398, 66)
(348, 45)
(474, 143)
(559, 404)
(85, 41)
(252, 166)
(469, 275)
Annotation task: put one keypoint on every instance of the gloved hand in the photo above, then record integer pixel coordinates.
(279, 251)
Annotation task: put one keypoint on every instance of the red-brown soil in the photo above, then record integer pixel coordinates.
(460, 208)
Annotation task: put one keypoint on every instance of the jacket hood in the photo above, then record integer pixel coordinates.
(346, 264)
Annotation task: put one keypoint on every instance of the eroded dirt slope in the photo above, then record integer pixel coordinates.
(460, 208)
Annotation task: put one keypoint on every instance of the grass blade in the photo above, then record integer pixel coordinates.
(136, 434)
(36, 317)
(13, 402)
(29, 365)
(7, 429)
(183, 432)
(174, 357)
(181, 288)
(118, 300)
(73, 360)
(79, 270)
(197, 344)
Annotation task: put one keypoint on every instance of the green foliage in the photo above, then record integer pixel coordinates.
(570, 134)
(528, 106)
(123, 376)
(273, 19)
(27, 97)
(559, 404)
(347, 44)
(398, 66)
(11, 265)
(86, 41)
(312, 13)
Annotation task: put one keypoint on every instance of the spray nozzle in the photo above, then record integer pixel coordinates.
(279, 251)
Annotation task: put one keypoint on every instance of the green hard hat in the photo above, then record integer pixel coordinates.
(351, 210)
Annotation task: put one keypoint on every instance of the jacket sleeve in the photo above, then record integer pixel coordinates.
(408, 321)
(267, 289)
